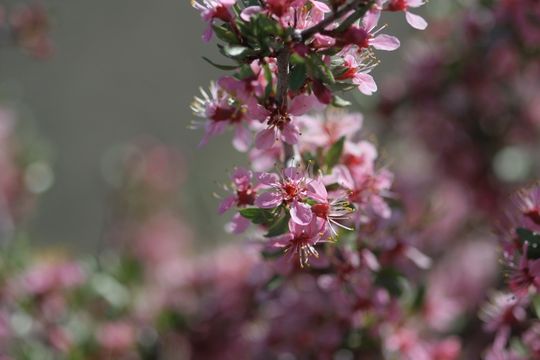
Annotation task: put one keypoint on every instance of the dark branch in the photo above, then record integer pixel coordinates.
(353, 5)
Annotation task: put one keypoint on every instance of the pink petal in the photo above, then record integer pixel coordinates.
(265, 139)
(238, 224)
(385, 42)
(248, 12)
(318, 191)
(416, 21)
(371, 19)
(242, 139)
(415, 3)
(301, 213)
(366, 84)
(226, 204)
(292, 173)
(321, 6)
(268, 200)
(290, 133)
(207, 34)
(302, 104)
(256, 111)
(212, 129)
(267, 178)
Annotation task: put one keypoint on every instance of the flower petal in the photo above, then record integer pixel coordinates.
(226, 204)
(242, 139)
(290, 133)
(301, 213)
(385, 42)
(268, 200)
(302, 104)
(265, 139)
(416, 21)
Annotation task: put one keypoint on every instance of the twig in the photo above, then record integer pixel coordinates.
(306, 34)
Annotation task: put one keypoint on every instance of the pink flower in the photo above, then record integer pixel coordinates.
(528, 203)
(525, 275)
(329, 210)
(281, 125)
(366, 36)
(290, 190)
(244, 191)
(220, 109)
(367, 189)
(415, 21)
(301, 239)
(503, 311)
(244, 195)
(358, 73)
(213, 9)
(323, 131)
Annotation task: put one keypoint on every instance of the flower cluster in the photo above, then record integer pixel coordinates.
(291, 57)
(515, 313)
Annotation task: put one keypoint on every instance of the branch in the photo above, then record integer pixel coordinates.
(306, 34)
(283, 57)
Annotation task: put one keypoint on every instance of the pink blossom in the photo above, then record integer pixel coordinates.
(323, 131)
(358, 73)
(220, 109)
(291, 189)
(282, 125)
(526, 274)
(214, 9)
(415, 21)
(301, 239)
(244, 194)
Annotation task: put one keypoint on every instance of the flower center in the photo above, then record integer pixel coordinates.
(398, 5)
(321, 210)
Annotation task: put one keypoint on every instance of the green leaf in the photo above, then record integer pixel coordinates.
(334, 154)
(321, 71)
(391, 280)
(533, 239)
(536, 305)
(244, 72)
(298, 76)
(268, 78)
(275, 282)
(258, 216)
(280, 227)
(221, 67)
(340, 102)
(224, 33)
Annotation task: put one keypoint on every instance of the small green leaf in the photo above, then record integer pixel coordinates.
(275, 282)
(280, 227)
(258, 216)
(298, 76)
(221, 67)
(390, 279)
(536, 305)
(244, 72)
(334, 154)
(340, 102)
(225, 34)
(268, 78)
